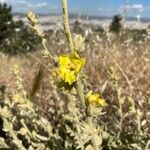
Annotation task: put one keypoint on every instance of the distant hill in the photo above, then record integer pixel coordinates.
(84, 17)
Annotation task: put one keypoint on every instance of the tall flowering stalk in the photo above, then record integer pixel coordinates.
(69, 71)
(33, 19)
(69, 68)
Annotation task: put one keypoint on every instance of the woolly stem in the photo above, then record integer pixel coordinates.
(79, 87)
(66, 24)
(89, 118)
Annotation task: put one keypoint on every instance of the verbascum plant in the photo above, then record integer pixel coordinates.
(70, 73)
(80, 121)
(124, 136)
(33, 20)
(22, 123)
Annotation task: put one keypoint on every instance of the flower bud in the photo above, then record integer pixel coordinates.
(32, 18)
(79, 44)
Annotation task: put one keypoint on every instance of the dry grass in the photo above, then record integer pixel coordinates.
(129, 58)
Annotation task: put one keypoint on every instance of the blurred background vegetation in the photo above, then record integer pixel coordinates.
(15, 36)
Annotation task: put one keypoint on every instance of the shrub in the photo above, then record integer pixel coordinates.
(6, 22)
(116, 25)
(15, 36)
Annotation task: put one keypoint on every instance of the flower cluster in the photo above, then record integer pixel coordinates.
(69, 67)
(94, 99)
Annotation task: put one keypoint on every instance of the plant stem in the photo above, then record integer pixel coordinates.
(138, 117)
(79, 87)
(66, 24)
(122, 71)
(89, 119)
(120, 108)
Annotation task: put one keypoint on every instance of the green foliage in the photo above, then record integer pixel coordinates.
(116, 25)
(15, 37)
(6, 22)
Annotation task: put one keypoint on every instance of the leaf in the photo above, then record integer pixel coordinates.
(83, 141)
(98, 139)
(136, 146)
(23, 131)
(5, 112)
(3, 145)
(37, 82)
(143, 122)
(89, 147)
(104, 87)
(30, 148)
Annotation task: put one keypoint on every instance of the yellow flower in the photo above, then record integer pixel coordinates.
(69, 67)
(95, 99)
(79, 44)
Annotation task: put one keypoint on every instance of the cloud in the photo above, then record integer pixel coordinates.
(100, 9)
(138, 7)
(38, 5)
(24, 6)
(135, 7)
(6, 1)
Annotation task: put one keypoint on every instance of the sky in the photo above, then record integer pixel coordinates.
(88, 7)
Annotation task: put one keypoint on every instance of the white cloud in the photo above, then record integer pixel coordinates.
(6, 1)
(42, 4)
(138, 7)
(23, 5)
(38, 5)
(100, 9)
(135, 7)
